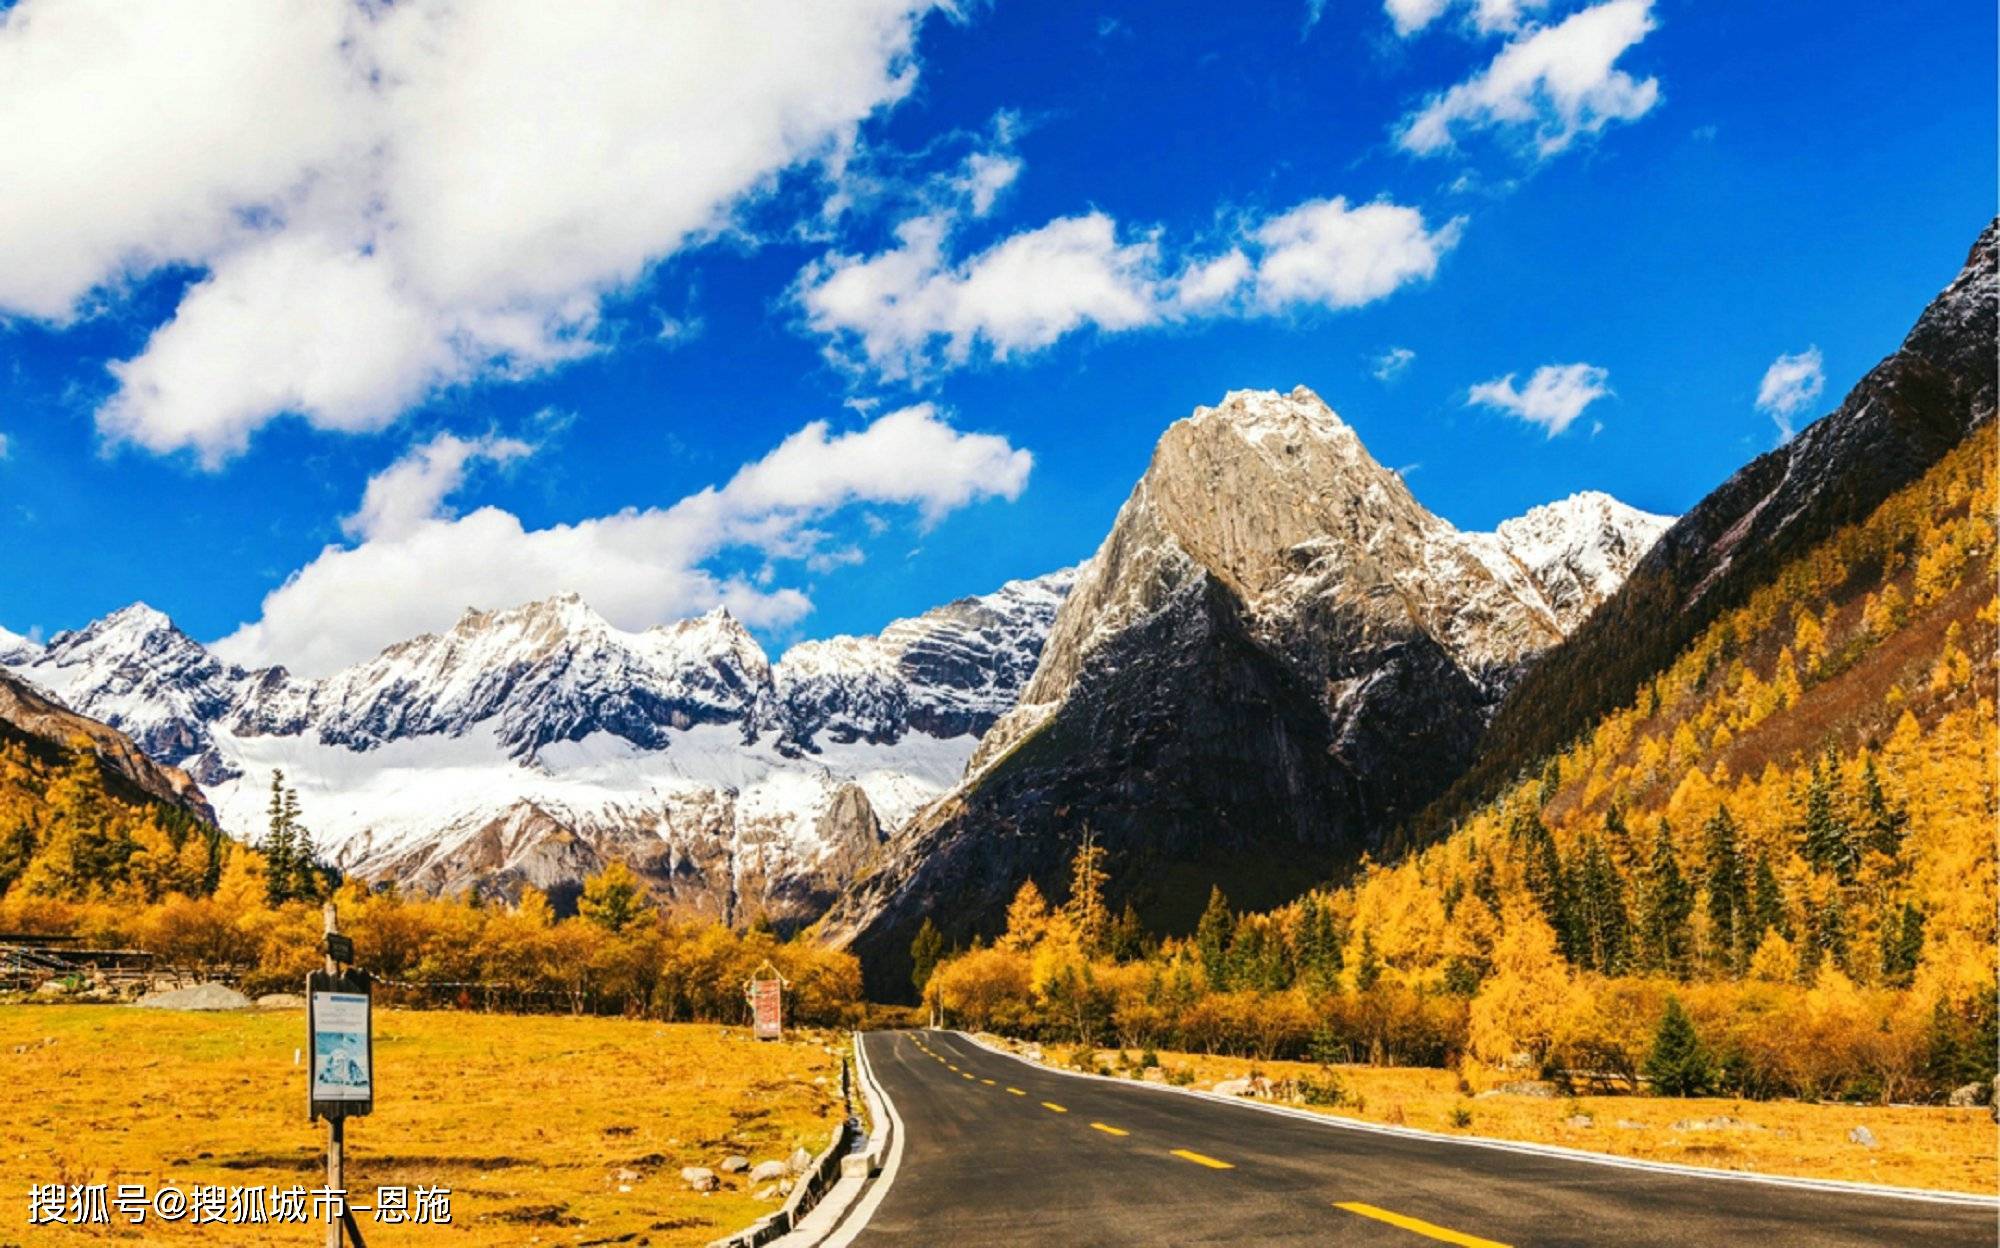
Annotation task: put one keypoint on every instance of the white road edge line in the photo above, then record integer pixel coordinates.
(1841, 1186)
(883, 1109)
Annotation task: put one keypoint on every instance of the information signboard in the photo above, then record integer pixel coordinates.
(767, 1008)
(341, 1039)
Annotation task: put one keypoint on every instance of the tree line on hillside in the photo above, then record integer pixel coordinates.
(75, 860)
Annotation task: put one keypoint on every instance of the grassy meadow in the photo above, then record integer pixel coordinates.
(1915, 1146)
(528, 1119)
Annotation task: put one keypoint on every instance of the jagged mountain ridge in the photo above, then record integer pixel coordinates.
(531, 745)
(1901, 418)
(1276, 653)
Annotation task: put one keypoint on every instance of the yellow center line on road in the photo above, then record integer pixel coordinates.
(1051, 1105)
(1418, 1225)
(988, 1082)
(1098, 1126)
(1017, 1091)
(963, 1075)
(1202, 1159)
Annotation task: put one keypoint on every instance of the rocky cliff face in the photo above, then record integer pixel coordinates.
(532, 745)
(1276, 654)
(1898, 420)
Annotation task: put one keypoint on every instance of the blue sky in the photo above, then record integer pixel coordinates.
(525, 312)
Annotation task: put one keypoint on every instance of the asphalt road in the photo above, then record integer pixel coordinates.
(997, 1151)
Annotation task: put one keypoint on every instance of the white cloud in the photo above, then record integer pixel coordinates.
(1486, 16)
(1324, 252)
(416, 566)
(383, 200)
(1556, 394)
(915, 308)
(1552, 83)
(1790, 384)
(414, 488)
(986, 175)
(1392, 363)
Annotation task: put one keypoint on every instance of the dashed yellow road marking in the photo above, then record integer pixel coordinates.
(1017, 1091)
(1098, 1126)
(1418, 1225)
(1051, 1105)
(963, 1075)
(988, 1082)
(1202, 1159)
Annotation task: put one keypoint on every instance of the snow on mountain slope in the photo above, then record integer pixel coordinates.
(1574, 552)
(138, 673)
(15, 648)
(530, 745)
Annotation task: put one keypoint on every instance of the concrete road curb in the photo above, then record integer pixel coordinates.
(1883, 1191)
(865, 1177)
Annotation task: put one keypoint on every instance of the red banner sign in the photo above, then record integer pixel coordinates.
(767, 1005)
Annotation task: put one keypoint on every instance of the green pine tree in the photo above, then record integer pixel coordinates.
(1825, 839)
(926, 951)
(1212, 936)
(1728, 888)
(1902, 944)
(1679, 1064)
(1767, 905)
(1368, 971)
(1883, 822)
(1666, 936)
(1603, 925)
(280, 863)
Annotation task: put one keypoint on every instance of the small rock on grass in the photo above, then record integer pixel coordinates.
(801, 1161)
(735, 1163)
(769, 1171)
(699, 1178)
(1862, 1136)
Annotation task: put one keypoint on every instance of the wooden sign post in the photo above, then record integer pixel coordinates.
(766, 995)
(340, 1038)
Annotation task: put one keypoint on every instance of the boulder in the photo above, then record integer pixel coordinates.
(1862, 1136)
(769, 1171)
(1234, 1087)
(1527, 1087)
(1966, 1097)
(199, 997)
(800, 1161)
(699, 1178)
(735, 1163)
(769, 1192)
(281, 1001)
(1578, 1120)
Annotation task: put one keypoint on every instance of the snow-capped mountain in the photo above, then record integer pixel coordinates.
(1264, 551)
(1574, 552)
(1275, 655)
(530, 744)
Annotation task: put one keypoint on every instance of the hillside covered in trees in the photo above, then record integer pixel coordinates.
(1771, 873)
(81, 855)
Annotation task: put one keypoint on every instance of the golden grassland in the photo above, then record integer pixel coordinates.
(528, 1119)
(1916, 1146)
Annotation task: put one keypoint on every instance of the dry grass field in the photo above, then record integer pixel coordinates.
(529, 1120)
(1915, 1146)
